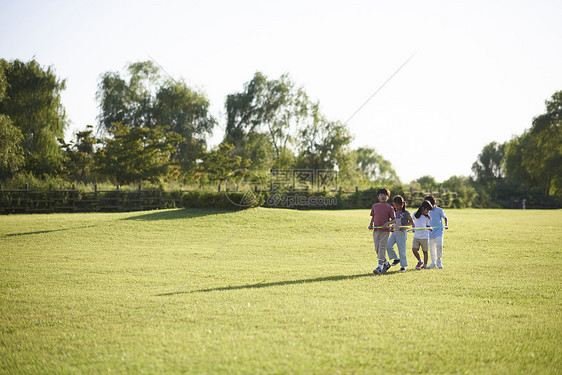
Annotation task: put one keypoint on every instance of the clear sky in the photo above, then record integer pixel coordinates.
(481, 71)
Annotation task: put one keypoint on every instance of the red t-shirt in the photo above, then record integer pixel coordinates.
(381, 213)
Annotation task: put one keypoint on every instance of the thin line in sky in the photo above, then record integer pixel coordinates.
(161, 67)
(379, 89)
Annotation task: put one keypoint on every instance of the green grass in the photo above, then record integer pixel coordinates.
(275, 291)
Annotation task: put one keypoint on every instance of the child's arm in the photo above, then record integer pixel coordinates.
(410, 221)
(372, 218)
(428, 224)
(391, 217)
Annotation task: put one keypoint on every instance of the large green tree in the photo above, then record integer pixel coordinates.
(535, 158)
(137, 154)
(489, 165)
(185, 112)
(128, 100)
(32, 102)
(373, 166)
(222, 162)
(323, 144)
(276, 108)
(427, 182)
(11, 151)
(142, 98)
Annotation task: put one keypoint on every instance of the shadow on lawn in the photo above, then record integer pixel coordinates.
(46, 231)
(266, 285)
(182, 213)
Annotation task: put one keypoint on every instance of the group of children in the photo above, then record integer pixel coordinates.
(427, 224)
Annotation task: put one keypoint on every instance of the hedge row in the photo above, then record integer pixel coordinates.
(24, 201)
(226, 200)
(48, 201)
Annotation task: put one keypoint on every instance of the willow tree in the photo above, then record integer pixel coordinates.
(32, 102)
(323, 144)
(373, 166)
(263, 119)
(143, 97)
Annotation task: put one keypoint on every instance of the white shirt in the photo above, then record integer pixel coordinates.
(423, 221)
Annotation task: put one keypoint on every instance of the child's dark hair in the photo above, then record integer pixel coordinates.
(384, 191)
(430, 199)
(401, 201)
(425, 204)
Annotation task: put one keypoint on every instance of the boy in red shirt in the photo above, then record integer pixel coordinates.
(382, 215)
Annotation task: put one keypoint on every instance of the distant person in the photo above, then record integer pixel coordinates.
(422, 220)
(436, 237)
(382, 214)
(399, 236)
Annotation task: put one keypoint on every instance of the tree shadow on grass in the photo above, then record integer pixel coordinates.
(45, 231)
(267, 285)
(182, 213)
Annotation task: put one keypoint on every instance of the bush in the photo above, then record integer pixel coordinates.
(226, 200)
(35, 183)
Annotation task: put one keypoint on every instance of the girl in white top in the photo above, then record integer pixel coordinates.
(421, 236)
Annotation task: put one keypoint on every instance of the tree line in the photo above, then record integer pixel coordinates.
(529, 165)
(154, 128)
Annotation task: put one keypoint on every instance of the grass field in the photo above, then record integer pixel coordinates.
(275, 291)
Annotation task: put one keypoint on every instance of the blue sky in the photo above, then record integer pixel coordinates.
(481, 71)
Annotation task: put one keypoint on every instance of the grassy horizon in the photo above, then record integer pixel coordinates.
(275, 291)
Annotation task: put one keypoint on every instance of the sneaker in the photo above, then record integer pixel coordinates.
(439, 264)
(418, 266)
(385, 267)
(395, 262)
(402, 269)
(423, 267)
(432, 265)
(377, 271)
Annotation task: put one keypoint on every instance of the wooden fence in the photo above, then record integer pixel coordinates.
(72, 200)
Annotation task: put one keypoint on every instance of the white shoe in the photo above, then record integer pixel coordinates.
(439, 264)
(432, 265)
